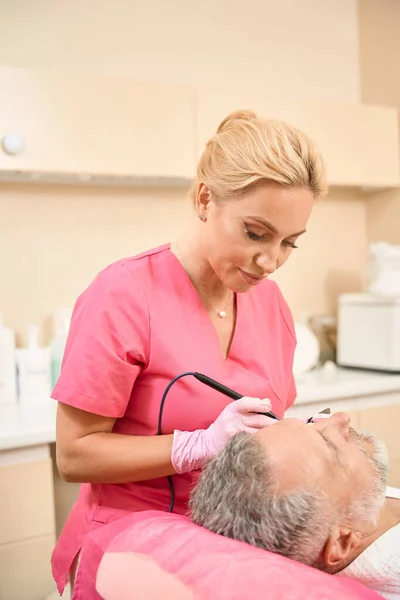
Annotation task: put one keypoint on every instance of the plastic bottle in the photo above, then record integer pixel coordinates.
(34, 374)
(8, 387)
(62, 320)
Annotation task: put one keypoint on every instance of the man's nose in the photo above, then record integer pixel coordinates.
(340, 421)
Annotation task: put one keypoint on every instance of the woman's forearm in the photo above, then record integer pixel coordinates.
(102, 457)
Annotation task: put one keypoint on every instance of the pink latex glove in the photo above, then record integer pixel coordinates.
(191, 449)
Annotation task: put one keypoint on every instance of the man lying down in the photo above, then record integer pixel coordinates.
(314, 493)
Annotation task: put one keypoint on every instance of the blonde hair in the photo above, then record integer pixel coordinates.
(248, 151)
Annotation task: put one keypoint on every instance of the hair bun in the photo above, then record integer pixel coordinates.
(238, 115)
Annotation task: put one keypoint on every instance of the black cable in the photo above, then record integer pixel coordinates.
(164, 396)
(159, 431)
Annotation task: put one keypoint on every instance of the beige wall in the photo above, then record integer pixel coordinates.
(331, 258)
(58, 238)
(379, 39)
(54, 239)
(304, 49)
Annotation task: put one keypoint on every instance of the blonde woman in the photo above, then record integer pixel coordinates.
(203, 303)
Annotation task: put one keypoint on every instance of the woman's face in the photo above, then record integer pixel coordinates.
(248, 238)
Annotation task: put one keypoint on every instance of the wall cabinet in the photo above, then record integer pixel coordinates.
(359, 142)
(99, 126)
(83, 128)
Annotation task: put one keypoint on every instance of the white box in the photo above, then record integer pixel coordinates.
(369, 332)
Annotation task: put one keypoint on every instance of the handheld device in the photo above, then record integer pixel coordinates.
(227, 391)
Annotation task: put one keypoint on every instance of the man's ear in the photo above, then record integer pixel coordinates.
(340, 545)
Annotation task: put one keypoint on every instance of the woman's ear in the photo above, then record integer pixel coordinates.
(340, 547)
(203, 199)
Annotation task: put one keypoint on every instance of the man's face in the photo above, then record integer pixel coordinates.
(329, 454)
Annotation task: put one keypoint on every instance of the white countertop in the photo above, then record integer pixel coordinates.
(34, 424)
(24, 425)
(334, 383)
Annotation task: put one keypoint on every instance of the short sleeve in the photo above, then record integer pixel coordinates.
(108, 344)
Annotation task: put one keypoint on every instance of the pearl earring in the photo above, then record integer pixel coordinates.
(202, 217)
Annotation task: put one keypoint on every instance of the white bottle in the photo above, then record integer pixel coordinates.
(34, 374)
(62, 320)
(8, 387)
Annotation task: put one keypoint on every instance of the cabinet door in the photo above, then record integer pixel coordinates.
(384, 422)
(25, 571)
(26, 501)
(359, 143)
(108, 126)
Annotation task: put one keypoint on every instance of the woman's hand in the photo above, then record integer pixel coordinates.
(191, 449)
(241, 415)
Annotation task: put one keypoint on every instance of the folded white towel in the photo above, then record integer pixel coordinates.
(384, 270)
(378, 567)
(392, 492)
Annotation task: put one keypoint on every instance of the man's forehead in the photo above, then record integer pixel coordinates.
(292, 452)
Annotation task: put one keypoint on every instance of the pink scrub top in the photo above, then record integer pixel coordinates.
(138, 325)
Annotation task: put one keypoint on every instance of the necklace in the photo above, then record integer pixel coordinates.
(221, 312)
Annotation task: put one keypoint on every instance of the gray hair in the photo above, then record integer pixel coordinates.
(237, 496)
(367, 507)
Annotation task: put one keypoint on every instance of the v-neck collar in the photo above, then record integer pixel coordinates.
(202, 311)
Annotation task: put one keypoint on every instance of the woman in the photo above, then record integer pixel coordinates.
(202, 304)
